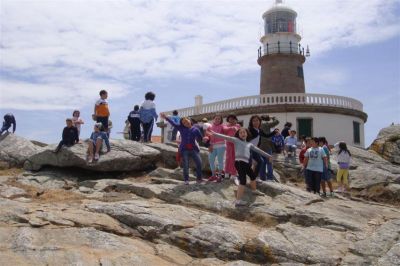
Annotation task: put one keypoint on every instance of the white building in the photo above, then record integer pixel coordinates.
(282, 90)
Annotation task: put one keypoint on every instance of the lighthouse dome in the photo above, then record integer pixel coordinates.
(279, 18)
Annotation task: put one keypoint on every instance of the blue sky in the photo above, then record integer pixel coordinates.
(56, 55)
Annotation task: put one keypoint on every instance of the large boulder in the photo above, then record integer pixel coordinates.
(387, 144)
(15, 150)
(125, 155)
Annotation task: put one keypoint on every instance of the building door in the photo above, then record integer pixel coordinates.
(304, 127)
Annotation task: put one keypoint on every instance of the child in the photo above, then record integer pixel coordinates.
(278, 141)
(96, 141)
(266, 143)
(326, 174)
(286, 129)
(69, 135)
(301, 159)
(77, 121)
(188, 146)
(242, 159)
(176, 119)
(254, 129)
(343, 159)
(216, 149)
(147, 115)
(9, 120)
(101, 111)
(134, 121)
(230, 129)
(291, 144)
(314, 160)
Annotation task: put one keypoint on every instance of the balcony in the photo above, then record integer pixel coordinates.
(306, 99)
(282, 48)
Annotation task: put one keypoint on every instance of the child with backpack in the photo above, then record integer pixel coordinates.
(242, 161)
(134, 121)
(188, 146)
(147, 115)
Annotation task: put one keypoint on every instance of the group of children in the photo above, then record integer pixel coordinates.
(141, 116)
(316, 166)
(240, 152)
(248, 151)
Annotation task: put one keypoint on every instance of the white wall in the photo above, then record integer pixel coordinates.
(334, 127)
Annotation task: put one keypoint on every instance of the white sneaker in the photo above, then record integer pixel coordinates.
(96, 156)
(239, 203)
(236, 180)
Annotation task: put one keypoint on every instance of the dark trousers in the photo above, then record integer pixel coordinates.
(135, 132)
(62, 142)
(261, 162)
(197, 160)
(104, 121)
(147, 131)
(314, 179)
(174, 132)
(244, 169)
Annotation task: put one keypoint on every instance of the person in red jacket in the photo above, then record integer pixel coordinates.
(301, 159)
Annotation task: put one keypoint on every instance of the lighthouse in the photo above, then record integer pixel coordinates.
(281, 56)
(282, 90)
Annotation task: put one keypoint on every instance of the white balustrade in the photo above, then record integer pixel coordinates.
(310, 99)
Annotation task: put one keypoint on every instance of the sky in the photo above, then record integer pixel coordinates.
(55, 56)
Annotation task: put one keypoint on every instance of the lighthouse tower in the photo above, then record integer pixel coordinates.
(281, 56)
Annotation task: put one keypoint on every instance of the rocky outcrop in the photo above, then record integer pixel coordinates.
(387, 144)
(160, 221)
(125, 156)
(15, 150)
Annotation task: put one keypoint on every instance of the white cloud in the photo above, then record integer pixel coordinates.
(49, 47)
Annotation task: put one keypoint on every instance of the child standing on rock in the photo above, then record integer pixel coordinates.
(188, 146)
(326, 174)
(343, 159)
(77, 121)
(314, 161)
(230, 129)
(242, 161)
(216, 149)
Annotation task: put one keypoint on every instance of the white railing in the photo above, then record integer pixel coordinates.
(310, 99)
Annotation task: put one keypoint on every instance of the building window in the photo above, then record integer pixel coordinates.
(304, 127)
(356, 132)
(300, 72)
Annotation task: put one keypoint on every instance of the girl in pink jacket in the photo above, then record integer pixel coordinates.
(230, 130)
(216, 149)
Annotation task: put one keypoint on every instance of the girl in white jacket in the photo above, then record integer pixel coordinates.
(343, 159)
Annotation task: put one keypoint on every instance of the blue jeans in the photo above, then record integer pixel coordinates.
(268, 164)
(219, 153)
(261, 164)
(197, 160)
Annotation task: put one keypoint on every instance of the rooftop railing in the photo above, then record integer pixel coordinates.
(309, 99)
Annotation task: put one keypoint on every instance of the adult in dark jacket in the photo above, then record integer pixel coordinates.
(70, 135)
(9, 120)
